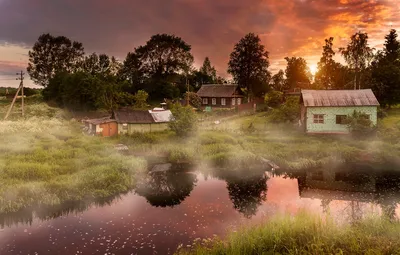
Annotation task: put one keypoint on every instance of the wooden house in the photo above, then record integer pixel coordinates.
(325, 111)
(220, 95)
(126, 121)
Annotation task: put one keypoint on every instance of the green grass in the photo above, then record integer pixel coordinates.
(305, 234)
(47, 161)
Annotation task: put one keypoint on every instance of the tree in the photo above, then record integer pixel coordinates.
(326, 66)
(249, 64)
(163, 55)
(53, 54)
(273, 98)
(131, 71)
(298, 73)
(109, 94)
(184, 120)
(100, 65)
(358, 55)
(194, 99)
(385, 72)
(140, 99)
(278, 81)
(208, 72)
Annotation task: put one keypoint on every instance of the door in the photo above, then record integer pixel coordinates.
(109, 129)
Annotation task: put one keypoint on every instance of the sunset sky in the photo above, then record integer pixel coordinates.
(212, 27)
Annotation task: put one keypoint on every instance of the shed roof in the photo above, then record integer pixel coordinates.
(217, 90)
(327, 98)
(133, 116)
(99, 121)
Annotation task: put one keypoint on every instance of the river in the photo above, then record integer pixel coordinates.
(170, 210)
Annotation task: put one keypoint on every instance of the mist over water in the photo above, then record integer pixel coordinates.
(172, 209)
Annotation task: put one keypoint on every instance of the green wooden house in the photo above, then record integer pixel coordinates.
(324, 111)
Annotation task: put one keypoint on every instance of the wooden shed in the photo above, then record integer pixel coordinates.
(131, 121)
(103, 126)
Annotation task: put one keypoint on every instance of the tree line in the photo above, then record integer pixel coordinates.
(163, 68)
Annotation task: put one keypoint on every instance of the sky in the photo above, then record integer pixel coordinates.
(212, 27)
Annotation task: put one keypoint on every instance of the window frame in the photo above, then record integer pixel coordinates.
(125, 126)
(239, 101)
(213, 101)
(223, 101)
(233, 101)
(319, 118)
(340, 119)
(205, 100)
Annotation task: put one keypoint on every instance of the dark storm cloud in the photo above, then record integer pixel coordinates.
(212, 27)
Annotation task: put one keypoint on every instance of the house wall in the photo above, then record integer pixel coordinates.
(142, 128)
(329, 125)
(218, 104)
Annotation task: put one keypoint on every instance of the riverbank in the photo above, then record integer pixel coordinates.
(47, 161)
(305, 234)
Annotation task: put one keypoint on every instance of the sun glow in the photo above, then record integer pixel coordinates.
(313, 69)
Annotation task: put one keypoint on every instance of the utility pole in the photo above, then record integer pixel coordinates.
(21, 78)
(21, 87)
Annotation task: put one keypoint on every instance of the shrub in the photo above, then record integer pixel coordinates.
(273, 98)
(184, 120)
(287, 112)
(360, 124)
(140, 99)
(194, 99)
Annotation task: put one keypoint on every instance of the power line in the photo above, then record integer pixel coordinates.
(20, 88)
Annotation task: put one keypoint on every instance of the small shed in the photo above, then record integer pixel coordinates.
(131, 121)
(324, 111)
(102, 126)
(220, 95)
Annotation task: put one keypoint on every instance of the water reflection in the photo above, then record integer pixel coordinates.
(166, 188)
(359, 189)
(247, 193)
(43, 212)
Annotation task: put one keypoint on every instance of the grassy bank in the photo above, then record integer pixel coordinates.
(47, 161)
(305, 234)
(231, 145)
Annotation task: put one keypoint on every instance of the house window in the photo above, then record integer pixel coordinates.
(341, 119)
(205, 100)
(319, 118)
(239, 101)
(124, 126)
(223, 101)
(214, 101)
(233, 101)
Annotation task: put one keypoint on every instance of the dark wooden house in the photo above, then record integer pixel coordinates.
(220, 95)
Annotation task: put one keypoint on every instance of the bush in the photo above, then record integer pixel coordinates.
(194, 99)
(360, 125)
(184, 120)
(287, 112)
(273, 98)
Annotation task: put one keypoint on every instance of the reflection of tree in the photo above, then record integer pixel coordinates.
(46, 212)
(165, 188)
(247, 194)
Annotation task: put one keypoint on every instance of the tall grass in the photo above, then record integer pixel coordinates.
(48, 162)
(306, 234)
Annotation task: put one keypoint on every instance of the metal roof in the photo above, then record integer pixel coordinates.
(362, 97)
(99, 121)
(161, 116)
(217, 90)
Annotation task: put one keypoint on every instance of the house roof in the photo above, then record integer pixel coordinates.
(99, 121)
(363, 97)
(142, 116)
(217, 90)
(133, 116)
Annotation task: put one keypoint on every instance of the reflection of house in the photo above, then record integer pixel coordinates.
(220, 95)
(324, 111)
(128, 121)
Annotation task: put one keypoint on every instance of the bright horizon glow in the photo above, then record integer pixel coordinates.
(313, 69)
